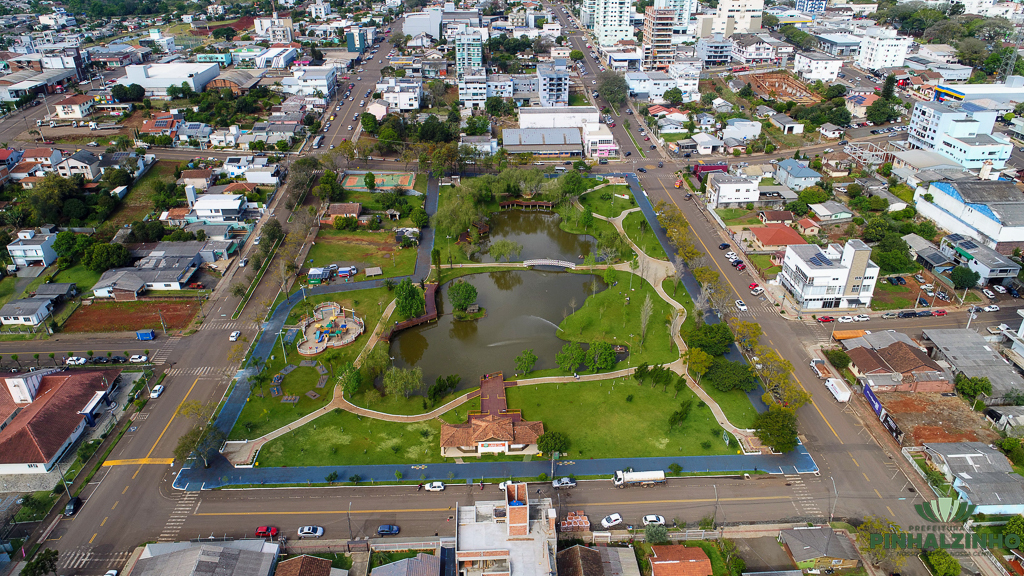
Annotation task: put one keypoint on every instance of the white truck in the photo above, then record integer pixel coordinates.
(839, 389)
(820, 369)
(642, 479)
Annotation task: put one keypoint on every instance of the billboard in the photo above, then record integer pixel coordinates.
(892, 428)
(873, 400)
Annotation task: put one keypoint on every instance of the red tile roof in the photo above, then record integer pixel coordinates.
(777, 235)
(73, 100)
(25, 167)
(679, 561)
(304, 566)
(36, 434)
(38, 153)
(807, 223)
(204, 173)
(6, 153)
(496, 427)
(178, 213)
(241, 187)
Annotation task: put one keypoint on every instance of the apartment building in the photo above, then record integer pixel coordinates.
(810, 6)
(611, 20)
(687, 76)
(833, 277)
(961, 132)
(817, 66)
(659, 52)
(728, 191)
(715, 50)
(473, 88)
(751, 49)
(552, 85)
(731, 17)
(882, 48)
(468, 52)
(403, 94)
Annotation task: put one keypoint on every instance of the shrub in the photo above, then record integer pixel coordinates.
(838, 358)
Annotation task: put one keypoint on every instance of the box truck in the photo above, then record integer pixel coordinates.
(839, 389)
(145, 334)
(642, 479)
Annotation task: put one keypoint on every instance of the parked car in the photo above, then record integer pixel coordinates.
(266, 532)
(387, 530)
(234, 336)
(741, 266)
(826, 319)
(919, 278)
(563, 483)
(999, 288)
(654, 519)
(939, 313)
(736, 262)
(730, 255)
(157, 391)
(611, 520)
(311, 532)
(753, 285)
(72, 506)
(118, 359)
(991, 295)
(434, 487)
(889, 315)
(99, 360)
(723, 245)
(741, 306)
(861, 318)
(757, 291)
(906, 314)
(138, 359)
(991, 308)
(924, 313)
(1014, 293)
(75, 361)
(844, 319)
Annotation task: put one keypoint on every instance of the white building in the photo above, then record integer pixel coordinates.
(219, 207)
(838, 277)
(751, 49)
(741, 129)
(32, 248)
(649, 85)
(156, 78)
(938, 53)
(468, 52)
(320, 10)
(312, 81)
(962, 133)
(401, 93)
(611, 20)
(473, 89)
(558, 117)
(882, 48)
(991, 266)
(687, 76)
(817, 66)
(734, 16)
(728, 191)
(552, 85)
(990, 210)
(683, 9)
(598, 141)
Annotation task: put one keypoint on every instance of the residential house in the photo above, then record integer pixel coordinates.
(10, 157)
(980, 474)
(787, 125)
(858, 104)
(82, 162)
(706, 143)
(679, 560)
(33, 248)
(220, 207)
(200, 179)
(26, 311)
(970, 354)
(831, 211)
(741, 129)
(898, 367)
(829, 278)
(796, 175)
(830, 131)
(808, 227)
(763, 111)
(751, 49)
(47, 157)
(161, 266)
(784, 217)
(774, 237)
(993, 267)
(420, 564)
(728, 191)
(75, 107)
(819, 547)
(340, 210)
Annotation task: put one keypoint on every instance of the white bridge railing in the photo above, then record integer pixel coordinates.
(547, 262)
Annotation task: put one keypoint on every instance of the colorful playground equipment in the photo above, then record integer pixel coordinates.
(331, 326)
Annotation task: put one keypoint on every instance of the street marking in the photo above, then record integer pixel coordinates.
(125, 490)
(866, 477)
(879, 495)
(891, 513)
(406, 510)
(115, 505)
(93, 537)
(164, 431)
(854, 460)
(104, 521)
(136, 473)
(132, 461)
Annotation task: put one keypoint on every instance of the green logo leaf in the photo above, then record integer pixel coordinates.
(945, 510)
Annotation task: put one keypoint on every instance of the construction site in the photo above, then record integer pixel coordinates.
(932, 417)
(781, 87)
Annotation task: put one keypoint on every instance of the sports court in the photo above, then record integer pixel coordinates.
(384, 180)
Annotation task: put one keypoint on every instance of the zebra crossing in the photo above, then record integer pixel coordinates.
(86, 559)
(804, 502)
(756, 309)
(237, 325)
(164, 352)
(200, 371)
(185, 505)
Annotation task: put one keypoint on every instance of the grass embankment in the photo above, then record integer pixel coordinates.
(738, 216)
(607, 202)
(139, 201)
(362, 249)
(265, 413)
(46, 498)
(638, 229)
(84, 278)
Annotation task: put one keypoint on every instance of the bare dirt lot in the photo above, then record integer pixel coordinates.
(927, 417)
(129, 316)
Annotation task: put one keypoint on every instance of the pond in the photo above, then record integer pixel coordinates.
(539, 235)
(524, 309)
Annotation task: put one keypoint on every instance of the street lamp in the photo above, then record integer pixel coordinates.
(832, 513)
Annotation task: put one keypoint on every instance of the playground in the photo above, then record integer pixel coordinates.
(383, 181)
(331, 326)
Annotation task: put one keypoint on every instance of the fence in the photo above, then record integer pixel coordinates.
(906, 451)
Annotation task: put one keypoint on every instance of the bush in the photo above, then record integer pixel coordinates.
(838, 358)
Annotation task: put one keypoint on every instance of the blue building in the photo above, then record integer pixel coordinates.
(222, 59)
(810, 6)
(356, 40)
(980, 474)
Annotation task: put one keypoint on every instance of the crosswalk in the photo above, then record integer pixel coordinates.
(85, 559)
(756, 309)
(236, 325)
(164, 352)
(804, 502)
(182, 509)
(200, 371)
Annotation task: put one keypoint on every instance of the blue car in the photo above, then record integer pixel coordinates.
(387, 530)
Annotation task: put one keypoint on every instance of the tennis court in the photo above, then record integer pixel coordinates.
(383, 181)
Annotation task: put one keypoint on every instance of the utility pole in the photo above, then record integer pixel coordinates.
(63, 481)
(283, 352)
(162, 324)
(832, 513)
(350, 536)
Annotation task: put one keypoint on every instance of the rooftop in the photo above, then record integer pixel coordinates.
(969, 352)
(777, 235)
(818, 542)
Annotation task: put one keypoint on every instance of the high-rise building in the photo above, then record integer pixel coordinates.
(468, 52)
(658, 50)
(810, 6)
(961, 132)
(733, 17)
(611, 20)
(882, 48)
(682, 8)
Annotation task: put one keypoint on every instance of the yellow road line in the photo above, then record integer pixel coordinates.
(133, 461)
(865, 477)
(171, 420)
(136, 473)
(125, 490)
(104, 521)
(891, 513)
(407, 510)
(93, 537)
(879, 495)
(854, 460)
(115, 505)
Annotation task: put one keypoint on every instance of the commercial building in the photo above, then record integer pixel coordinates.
(558, 117)
(714, 50)
(970, 354)
(728, 191)
(515, 535)
(552, 142)
(32, 248)
(649, 85)
(817, 66)
(834, 277)
(962, 133)
(1009, 91)
(842, 45)
(818, 547)
(598, 141)
(992, 267)
(468, 52)
(980, 474)
(156, 78)
(75, 107)
(256, 557)
(882, 48)
(990, 211)
(321, 81)
(401, 93)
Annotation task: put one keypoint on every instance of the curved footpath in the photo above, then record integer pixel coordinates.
(222, 473)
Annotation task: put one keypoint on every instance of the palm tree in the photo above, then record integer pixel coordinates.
(15, 358)
(53, 357)
(36, 356)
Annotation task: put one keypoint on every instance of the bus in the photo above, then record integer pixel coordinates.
(318, 141)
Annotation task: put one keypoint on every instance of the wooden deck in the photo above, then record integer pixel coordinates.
(525, 204)
(430, 315)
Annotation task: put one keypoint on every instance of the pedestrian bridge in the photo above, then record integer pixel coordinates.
(547, 262)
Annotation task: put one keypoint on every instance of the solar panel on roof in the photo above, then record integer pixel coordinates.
(955, 237)
(968, 245)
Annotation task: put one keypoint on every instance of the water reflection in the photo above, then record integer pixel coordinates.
(539, 235)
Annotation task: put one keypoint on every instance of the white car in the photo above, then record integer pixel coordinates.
(730, 255)
(927, 287)
(991, 295)
(110, 573)
(741, 306)
(75, 361)
(138, 359)
(256, 242)
(844, 319)
(349, 126)
(999, 288)
(861, 318)
(991, 308)
(654, 519)
(311, 532)
(234, 336)
(434, 487)
(504, 485)
(757, 291)
(611, 520)
(157, 391)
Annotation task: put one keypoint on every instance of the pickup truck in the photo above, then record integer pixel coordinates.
(820, 369)
(563, 483)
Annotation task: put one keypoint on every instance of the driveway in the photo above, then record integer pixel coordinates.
(763, 555)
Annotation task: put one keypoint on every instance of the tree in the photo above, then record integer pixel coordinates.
(698, 362)
(769, 21)
(714, 339)
(44, 563)
(673, 96)
(283, 145)
(402, 381)
(972, 387)
(570, 358)
(525, 362)
(1015, 525)
(506, 249)
(420, 218)
(646, 309)
(776, 428)
(461, 294)
(410, 300)
(227, 33)
(971, 51)
(576, 55)
(747, 333)
(837, 358)
(612, 87)
(680, 416)
(587, 220)
(943, 563)
(876, 229)
(369, 122)
(102, 257)
(370, 181)
(551, 442)
(881, 111)
(601, 356)
(892, 558)
(964, 277)
(655, 534)
(726, 375)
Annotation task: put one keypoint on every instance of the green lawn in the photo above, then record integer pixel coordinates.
(607, 317)
(342, 438)
(266, 414)
(738, 216)
(633, 419)
(571, 223)
(7, 289)
(362, 249)
(734, 403)
(639, 231)
(578, 100)
(420, 185)
(80, 275)
(606, 203)
(675, 136)
(139, 201)
(889, 297)
(337, 560)
(47, 497)
(459, 414)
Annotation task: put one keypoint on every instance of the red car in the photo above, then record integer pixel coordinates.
(266, 531)
(826, 319)
(344, 77)
(939, 313)
(647, 138)
(752, 285)
(612, 125)
(741, 266)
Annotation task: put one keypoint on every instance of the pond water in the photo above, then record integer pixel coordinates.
(524, 309)
(539, 235)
